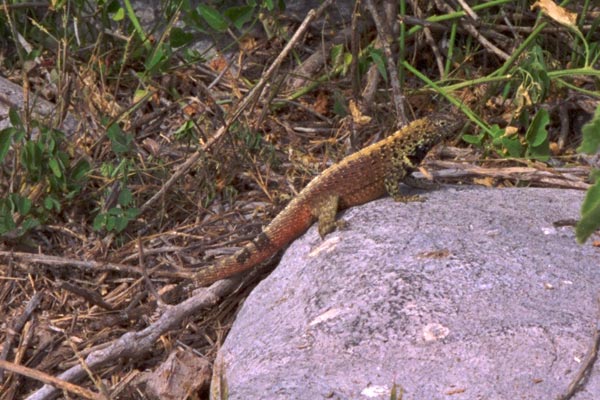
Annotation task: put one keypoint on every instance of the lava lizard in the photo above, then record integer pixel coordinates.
(357, 179)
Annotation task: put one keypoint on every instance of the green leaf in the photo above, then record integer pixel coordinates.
(474, 139)
(590, 214)
(15, 118)
(377, 57)
(179, 37)
(339, 104)
(21, 204)
(268, 4)
(120, 141)
(29, 223)
(52, 203)
(99, 222)
(50, 144)
(239, 15)
(513, 146)
(537, 137)
(80, 170)
(113, 6)
(31, 158)
(591, 135)
(541, 153)
(119, 14)
(120, 224)
(212, 17)
(7, 222)
(111, 222)
(106, 170)
(535, 80)
(592, 199)
(185, 131)
(496, 132)
(158, 57)
(132, 213)
(55, 167)
(537, 133)
(125, 197)
(336, 54)
(5, 139)
(506, 90)
(346, 63)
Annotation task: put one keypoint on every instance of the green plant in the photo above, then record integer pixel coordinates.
(45, 176)
(115, 218)
(590, 209)
(534, 145)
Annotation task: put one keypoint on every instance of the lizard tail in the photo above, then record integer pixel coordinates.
(258, 250)
(294, 220)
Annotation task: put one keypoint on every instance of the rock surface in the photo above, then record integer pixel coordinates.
(11, 95)
(474, 294)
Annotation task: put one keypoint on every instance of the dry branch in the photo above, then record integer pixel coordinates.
(569, 178)
(49, 379)
(248, 99)
(386, 38)
(136, 344)
(96, 266)
(17, 326)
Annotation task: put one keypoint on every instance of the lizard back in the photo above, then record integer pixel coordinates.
(357, 179)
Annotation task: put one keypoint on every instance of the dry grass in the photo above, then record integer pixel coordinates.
(92, 287)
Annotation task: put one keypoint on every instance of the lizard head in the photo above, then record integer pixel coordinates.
(442, 126)
(429, 131)
(449, 122)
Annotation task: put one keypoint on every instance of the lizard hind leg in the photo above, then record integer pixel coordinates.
(325, 211)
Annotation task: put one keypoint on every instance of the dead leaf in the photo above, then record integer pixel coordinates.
(510, 131)
(357, 115)
(248, 44)
(436, 254)
(152, 146)
(487, 181)
(178, 377)
(557, 13)
(321, 103)
(218, 64)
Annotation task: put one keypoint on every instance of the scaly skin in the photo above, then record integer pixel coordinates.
(359, 178)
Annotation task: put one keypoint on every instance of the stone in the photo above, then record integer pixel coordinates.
(473, 294)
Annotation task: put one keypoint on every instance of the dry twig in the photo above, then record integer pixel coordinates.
(557, 177)
(383, 30)
(136, 344)
(586, 366)
(469, 27)
(17, 326)
(430, 40)
(64, 261)
(248, 99)
(49, 380)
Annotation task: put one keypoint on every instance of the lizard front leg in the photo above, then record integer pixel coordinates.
(392, 180)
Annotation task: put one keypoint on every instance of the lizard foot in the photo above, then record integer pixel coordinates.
(409, 198)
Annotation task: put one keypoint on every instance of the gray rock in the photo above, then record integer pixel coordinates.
(11, 95)
(474, 294)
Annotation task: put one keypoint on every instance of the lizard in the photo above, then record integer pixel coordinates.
(357, 179)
